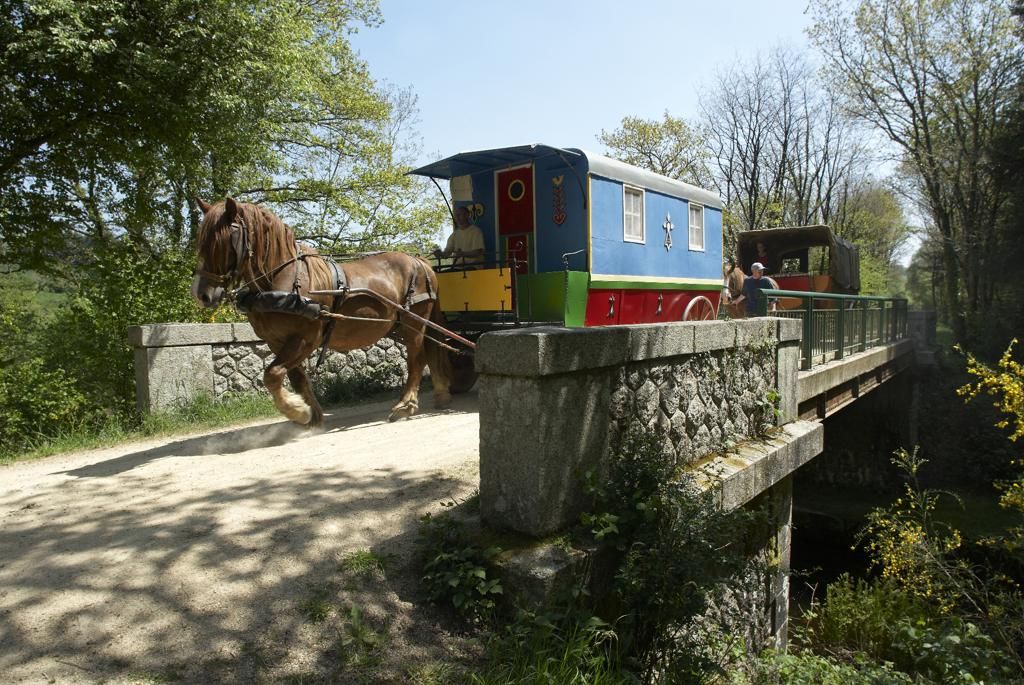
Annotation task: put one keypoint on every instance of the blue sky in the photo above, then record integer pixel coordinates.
(491, 74)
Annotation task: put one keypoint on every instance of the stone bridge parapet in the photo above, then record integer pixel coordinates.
(177, 362)
(554, 402)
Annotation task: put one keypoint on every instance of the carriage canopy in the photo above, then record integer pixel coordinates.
(795, 243)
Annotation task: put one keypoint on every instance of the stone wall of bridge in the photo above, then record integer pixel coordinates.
(555, 402)
(176, 362)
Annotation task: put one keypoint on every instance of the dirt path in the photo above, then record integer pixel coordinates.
(204, 559)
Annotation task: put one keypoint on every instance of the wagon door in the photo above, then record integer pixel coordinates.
(515, 217)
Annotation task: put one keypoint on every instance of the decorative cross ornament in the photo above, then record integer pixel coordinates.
(668, 231)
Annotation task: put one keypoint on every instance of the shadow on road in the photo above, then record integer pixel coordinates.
(260, 436)
(201, 582)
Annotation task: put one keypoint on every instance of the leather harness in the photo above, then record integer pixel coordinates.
(292, 302)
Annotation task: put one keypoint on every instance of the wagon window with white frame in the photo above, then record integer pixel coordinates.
(696, 227)
(633, 215)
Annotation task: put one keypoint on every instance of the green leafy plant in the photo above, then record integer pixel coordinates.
(675, 555)
(456, 570)
(766, 412)
(359, 643)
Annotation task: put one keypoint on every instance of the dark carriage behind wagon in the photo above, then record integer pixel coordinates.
(807, 258)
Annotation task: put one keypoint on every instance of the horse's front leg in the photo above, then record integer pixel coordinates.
(300, 383)
(288, 357)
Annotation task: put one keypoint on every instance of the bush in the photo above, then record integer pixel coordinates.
(336, 387)
(456, 571)
(805, 668)
(126, 287)
(677, 556)
(37, 397)
(857, 616)
(37, 402)
(880, 621)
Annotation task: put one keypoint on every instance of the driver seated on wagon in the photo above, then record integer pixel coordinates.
(466, 243)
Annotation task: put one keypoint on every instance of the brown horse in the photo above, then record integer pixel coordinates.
(734, 278)
(247, 245)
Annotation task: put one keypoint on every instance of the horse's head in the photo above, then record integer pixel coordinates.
(222, 245)
(734, 278)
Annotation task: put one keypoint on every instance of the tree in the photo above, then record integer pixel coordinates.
(118, 112)
(783, 151)
(670, 147)
(924, 275)
(872, 216)
(935, 78)
(368, 202)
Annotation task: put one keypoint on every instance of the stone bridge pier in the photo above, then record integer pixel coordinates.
(553, 402)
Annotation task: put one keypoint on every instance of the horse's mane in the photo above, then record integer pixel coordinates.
(271, 240)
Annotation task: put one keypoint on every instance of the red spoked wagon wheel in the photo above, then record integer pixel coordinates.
(700, 309)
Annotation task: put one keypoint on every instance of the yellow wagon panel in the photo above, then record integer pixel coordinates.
(487, 290)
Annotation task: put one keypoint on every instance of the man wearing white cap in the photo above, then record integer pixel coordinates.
(751, 294)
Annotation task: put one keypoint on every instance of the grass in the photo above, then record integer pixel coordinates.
(201, 413)
(362, 564)
(435, 673)
(573, 657)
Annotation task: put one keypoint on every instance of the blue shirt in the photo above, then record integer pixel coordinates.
(752, 292)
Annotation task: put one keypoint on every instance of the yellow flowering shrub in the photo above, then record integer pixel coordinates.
(907, 545)
(1004, 383)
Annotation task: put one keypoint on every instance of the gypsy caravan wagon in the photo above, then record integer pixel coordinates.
(575, 239)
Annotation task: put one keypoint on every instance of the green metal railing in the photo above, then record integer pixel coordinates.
(837, 325)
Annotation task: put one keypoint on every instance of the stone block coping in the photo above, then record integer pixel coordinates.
(183, 334)
(754, 467)
(550, 350)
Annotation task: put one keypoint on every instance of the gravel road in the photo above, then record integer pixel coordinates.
(190, 559)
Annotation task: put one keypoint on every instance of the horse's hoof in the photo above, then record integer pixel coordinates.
(442, 400)
(316, 420)
(402, 411)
